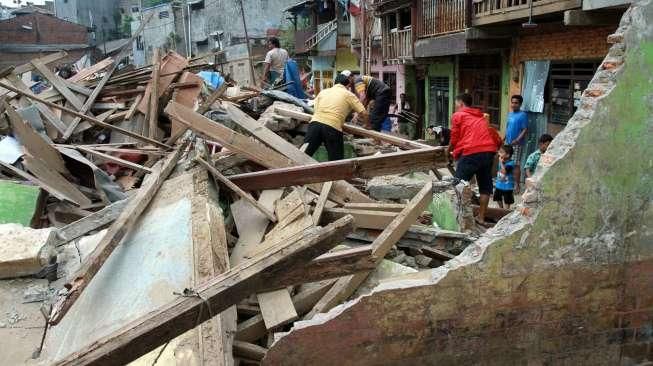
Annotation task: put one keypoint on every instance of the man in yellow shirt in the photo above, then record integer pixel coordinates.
(332, 106)
(369, 90)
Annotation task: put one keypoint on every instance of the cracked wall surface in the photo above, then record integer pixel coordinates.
(566, 280)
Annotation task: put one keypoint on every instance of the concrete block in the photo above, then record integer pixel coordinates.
(394, 187)
(24, 251)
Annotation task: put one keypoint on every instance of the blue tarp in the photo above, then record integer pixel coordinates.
(212, 78)
(291, 73)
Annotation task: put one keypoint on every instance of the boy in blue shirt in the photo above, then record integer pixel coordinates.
(516, 134)
(505, 181)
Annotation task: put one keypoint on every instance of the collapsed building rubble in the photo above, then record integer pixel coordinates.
(182, 224)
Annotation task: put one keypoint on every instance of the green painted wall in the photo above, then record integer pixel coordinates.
(444, 68)
(505, 92)
(346, 60)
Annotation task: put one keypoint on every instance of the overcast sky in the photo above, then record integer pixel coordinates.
(24, 2)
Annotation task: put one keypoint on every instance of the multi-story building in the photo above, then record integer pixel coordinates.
(546, 50)
(323, 35)
(102, 17)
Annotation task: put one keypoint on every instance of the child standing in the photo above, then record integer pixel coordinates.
(534, 158)
(505, 182)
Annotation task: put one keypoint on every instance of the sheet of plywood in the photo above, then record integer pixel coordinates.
(170, 65)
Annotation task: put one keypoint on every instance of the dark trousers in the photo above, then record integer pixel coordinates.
(319, 133)
(479, 165)
(380, 109)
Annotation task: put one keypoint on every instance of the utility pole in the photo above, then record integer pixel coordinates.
(249, 50)
(363, 34)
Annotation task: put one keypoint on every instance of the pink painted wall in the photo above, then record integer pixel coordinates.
(380, 68)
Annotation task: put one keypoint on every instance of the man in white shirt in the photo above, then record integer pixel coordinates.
(275, 61)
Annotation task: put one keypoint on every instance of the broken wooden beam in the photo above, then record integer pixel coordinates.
(94, 221)
(94, 121)
(341, 190)
(223, 291)
(153, 112)
(249, 351)
(364, 219)
(321, 202)
(346, 286)
(115, 159)
(117, 231)
(358, 131)
(221, 178)
(212, 98)
(365, 167)
(48, 59)
(59, 84)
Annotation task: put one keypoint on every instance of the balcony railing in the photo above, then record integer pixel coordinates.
(438, 17)
(495, 11)
(398, 45)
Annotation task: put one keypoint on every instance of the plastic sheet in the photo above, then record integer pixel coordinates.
(536, 74)
(212, 78)
(442, 211)
(291, 74)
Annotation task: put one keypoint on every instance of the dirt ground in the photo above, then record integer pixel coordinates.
(21, 324)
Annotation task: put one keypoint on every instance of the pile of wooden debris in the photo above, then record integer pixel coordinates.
(289, 237)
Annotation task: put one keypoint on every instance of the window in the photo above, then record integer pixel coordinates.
(135, 9)
(198, 5)
(439, 101)
(164, 14)
(139, 43)
(567, 82)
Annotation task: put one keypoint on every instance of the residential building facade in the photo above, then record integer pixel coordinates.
(102, 17)
(34, 32)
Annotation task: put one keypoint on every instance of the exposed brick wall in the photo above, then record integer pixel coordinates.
(576, 43)
(45, 30)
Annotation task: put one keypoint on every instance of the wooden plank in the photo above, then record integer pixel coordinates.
(223, 291)
(186, 97)
(123, 151)
(246, 196)
(101, 117)
(94, 221)
(321, 201)
(342, 191)
(228, 138)
(95, 121)
(378, 220)
(212, 98)
(48, 59)
(436, 253)
(132, 108)
(50, 117)
(78, 88)
(106, 106)
(364, 168)
(115, 159)
(89, 71)
(346, 286)
(217, 335)
(251, 223)
(394, 207)
(59, 84)
(52, 178)
(249, 350)
(359, 131)
(117, 231)
(171, 65)
(34, 143)
(98, 89)
(250, 148)
(276, 308)
(153, 112)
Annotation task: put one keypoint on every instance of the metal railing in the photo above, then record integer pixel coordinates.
(490, 7)
(438, 17)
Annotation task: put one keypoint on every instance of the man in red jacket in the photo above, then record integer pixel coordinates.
(473, 145)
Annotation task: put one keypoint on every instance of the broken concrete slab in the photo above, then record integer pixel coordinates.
(24, 251)
(395, 187)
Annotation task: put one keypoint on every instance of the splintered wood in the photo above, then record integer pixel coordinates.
(282, 237)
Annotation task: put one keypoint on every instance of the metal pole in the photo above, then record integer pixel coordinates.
(249, 50)
(363, 34)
